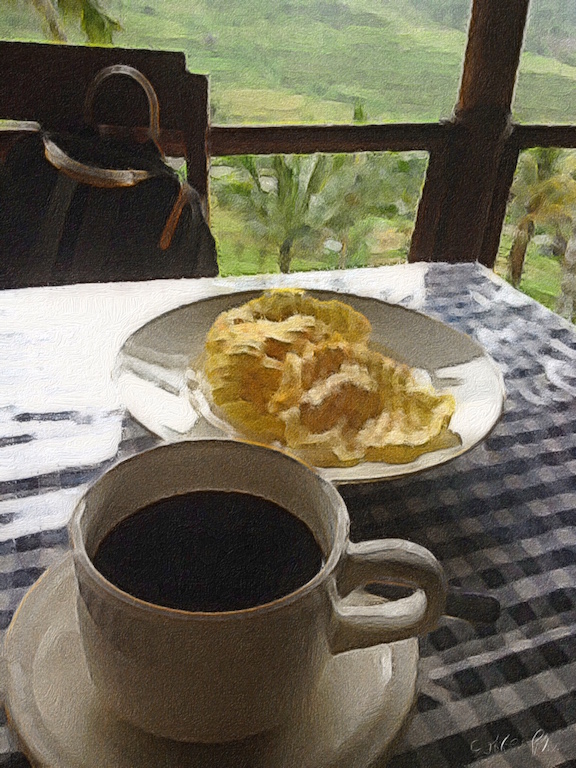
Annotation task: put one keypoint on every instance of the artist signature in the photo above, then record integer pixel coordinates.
(539, 743)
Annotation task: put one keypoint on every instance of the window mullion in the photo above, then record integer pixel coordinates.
(460, 189)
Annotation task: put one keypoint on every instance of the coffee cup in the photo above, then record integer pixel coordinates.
(235, 660)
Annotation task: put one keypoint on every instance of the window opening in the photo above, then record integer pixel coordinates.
(537, 250)
(287, 213)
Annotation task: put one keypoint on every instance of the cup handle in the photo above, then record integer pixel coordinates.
(357, 625)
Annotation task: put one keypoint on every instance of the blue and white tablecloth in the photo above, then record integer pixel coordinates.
(500, 518)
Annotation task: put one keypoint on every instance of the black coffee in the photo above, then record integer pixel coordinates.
(210, 551)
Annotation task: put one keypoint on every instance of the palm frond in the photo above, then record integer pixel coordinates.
(98, 26)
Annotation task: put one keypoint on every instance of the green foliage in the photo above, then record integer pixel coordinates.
(97, 25)
(58, 17)
(292, 205)
(359, 115)
(541, 275)
(543, 202)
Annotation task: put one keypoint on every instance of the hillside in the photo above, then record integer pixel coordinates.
(551, 29)
(313, 60)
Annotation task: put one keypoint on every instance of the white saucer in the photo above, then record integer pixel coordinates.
(349, 721)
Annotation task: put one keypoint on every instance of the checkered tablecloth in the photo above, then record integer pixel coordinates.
(500, 518)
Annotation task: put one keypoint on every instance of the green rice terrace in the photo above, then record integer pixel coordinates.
(315, 61)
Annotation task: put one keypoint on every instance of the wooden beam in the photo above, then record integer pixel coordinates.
(466, 176)
(499, 204)
(303, 139)
(526, 136)
(269, 140)
(492, 56)
(430, 207)
(264, 140)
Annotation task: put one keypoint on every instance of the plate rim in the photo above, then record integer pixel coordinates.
(331, 473)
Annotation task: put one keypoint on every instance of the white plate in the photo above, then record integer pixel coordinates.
(151, 373)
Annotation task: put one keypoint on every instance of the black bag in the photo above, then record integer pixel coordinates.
(80, 207)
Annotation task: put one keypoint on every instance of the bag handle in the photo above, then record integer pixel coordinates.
(135, 74)
(107, 177)
(83, 173)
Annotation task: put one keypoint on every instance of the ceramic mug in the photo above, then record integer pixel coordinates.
(211, 677)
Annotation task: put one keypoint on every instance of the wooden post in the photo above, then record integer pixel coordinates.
(454, 218)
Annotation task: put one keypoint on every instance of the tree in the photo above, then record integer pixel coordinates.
(566, 304)
(545, 194)
(380, 188)
(560, 192)
(290, 200)
(97, 25)
(277, 196)
(530, 203)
